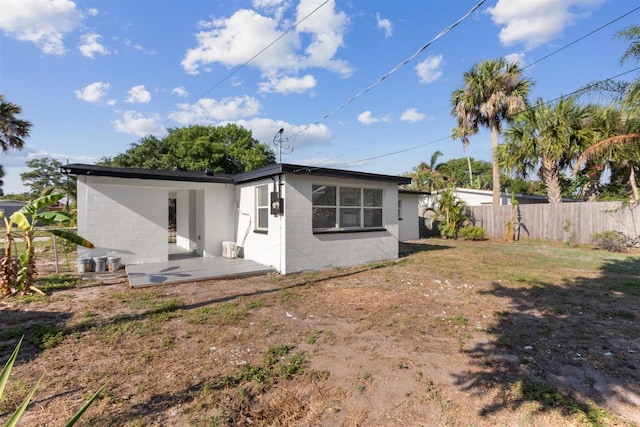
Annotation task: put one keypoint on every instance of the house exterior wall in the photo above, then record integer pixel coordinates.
(115, 218)
(305, 250)
(130, 217)
(263, 247)
(408, 221)
(186, 219)
(216, 218)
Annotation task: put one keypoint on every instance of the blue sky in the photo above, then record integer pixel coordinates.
(94, 76)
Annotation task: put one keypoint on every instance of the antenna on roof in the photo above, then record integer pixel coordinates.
(282, 145)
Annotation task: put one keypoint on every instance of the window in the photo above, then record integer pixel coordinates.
(346, 208)
(262, 207)
(399, 209)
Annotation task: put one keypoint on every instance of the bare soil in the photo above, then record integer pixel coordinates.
(453, 333)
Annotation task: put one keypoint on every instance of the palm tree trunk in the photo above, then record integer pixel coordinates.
(469, 166)
(634, 185)
(493, 125)
(551, 179)
(6, 267)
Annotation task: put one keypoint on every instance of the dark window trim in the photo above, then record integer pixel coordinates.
(260, 231)
(352, 230)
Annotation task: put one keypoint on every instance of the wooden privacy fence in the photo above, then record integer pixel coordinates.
(575, 222)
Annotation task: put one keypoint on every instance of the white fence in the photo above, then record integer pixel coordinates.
(567, 221)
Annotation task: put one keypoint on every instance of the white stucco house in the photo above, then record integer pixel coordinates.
(290, 217)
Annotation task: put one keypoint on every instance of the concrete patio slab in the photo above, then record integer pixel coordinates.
(189, 269)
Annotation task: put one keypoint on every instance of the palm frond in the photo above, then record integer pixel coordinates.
(603, 145)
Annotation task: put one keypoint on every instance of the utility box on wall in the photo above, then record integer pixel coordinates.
(277, 204)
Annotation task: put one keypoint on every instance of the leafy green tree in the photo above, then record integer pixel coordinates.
(45, 177)
(425, 177)
(494, 91)
(221, 149)
(12, 130)
(620, 149)
(548, 136)
(455, 170)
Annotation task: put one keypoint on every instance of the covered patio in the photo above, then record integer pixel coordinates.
(185, 266)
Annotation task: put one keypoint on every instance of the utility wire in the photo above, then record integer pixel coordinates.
(244, 64)
(396, 68)
(583, 89)
(582, 38)
(415, 147)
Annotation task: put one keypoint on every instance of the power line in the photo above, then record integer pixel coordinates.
(583, 89)
(396, 68)
(244, 64)
(582, 38)
(452, 136)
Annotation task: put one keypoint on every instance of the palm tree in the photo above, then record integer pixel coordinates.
(622, 146)
(494, 91)
(620, 149)
(548, 136)
(12, 130)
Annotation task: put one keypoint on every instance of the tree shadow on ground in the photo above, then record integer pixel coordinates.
(409, 248)
(564, 345)
(39, 328)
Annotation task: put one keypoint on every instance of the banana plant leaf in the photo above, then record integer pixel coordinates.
(21, 220)
(73, 238)
(52, 217)
(40, 203)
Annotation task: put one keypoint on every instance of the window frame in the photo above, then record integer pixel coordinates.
(262, 208)
(344, 205)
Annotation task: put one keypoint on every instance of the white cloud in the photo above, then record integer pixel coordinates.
(209, 110)
(140, 125)
(43, 22)
(515, 58)
(536, 22)
(237, 39)
(138, 94)
(367, 118)
(298, 136)
(94, 92)
(286, 85)
(385, 25)
(326, 27)
(330, 162)
(412, 115)
(429, 69)
(180, 91)
(233, 41)
(90, 45)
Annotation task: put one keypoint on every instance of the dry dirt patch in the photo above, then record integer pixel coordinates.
(453, 333)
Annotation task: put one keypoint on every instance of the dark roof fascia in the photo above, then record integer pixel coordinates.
(266, 172)
(161, 175)
(284, 168)
(416, 192)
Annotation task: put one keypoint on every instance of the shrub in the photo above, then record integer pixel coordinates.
(471, 232)
(612, 241)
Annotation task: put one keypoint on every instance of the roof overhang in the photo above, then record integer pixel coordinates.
(266, 172)
(109, 171)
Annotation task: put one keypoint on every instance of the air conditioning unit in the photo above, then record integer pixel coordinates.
(229, 250)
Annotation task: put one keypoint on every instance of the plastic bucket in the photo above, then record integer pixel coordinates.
(84, 265)
(113, 263)
(101, 263)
